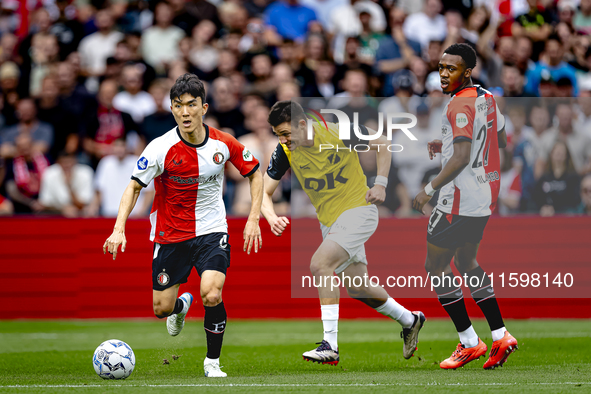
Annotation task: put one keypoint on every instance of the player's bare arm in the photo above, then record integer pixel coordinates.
(377, 194)
(277, 223)
(252, 231)
(130, 196)
(456, 164)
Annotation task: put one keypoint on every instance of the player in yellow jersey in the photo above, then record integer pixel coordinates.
(334, 181)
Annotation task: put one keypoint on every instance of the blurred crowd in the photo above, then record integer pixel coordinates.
(84, 87)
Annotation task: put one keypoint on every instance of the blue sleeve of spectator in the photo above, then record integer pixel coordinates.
(573, 77)
(518, 152)
(269, 15)
(533, 81)
(415, 46)
(312, 15)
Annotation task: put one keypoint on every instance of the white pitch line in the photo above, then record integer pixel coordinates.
(288, 385)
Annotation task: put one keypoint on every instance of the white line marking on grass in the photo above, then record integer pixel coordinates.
(289, 385)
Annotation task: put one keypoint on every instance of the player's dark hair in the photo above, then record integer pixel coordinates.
(188, 83)
(465, 51)
(285, 111)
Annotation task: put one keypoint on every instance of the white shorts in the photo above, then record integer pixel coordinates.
(351, 231)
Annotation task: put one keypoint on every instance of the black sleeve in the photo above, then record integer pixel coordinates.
(279, 163)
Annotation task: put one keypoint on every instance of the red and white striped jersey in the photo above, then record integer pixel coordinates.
(188, 182)
(472, 115)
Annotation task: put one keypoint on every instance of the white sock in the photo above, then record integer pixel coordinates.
(211, 361)
(330, 322)
(498, 334)
(468, 337)
(397, 312)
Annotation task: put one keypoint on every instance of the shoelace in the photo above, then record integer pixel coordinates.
(458, 350)
(323, 346)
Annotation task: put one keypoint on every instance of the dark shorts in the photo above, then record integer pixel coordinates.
(172, 263)
(453, 231)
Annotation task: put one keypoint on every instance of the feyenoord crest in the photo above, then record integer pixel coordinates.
(163, 278)
(218, 157)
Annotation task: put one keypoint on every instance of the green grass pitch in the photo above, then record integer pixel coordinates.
(265, 356)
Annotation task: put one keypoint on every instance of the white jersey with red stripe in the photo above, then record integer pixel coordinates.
(472, 115)
(188, 182)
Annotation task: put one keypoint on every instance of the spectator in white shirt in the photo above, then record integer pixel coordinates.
(97, 47)
(66, 186)
(160, 43)
(112, 177)
(428, 25)
(133, 100)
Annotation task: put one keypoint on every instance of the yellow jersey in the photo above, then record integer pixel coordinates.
(329, 172)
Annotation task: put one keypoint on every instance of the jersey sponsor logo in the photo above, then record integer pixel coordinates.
(163, 278)
(218, 157)
(482, 107)
(142, 163)
(334, 158)
(177, 163)
(246, 155)
(444, 130)
(318, 184)
(190, 181)
(461, 120)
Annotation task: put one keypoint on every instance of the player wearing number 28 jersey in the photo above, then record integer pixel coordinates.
(472, 131)
(473, 116)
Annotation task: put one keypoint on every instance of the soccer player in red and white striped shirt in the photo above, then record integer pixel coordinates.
(188, 217)
(472, 131)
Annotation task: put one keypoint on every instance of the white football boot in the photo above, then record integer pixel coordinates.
(212, 370)
(175, 323)
(323, 354)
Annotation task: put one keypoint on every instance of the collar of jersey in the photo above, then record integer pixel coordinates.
(194, 145)
(464, 89)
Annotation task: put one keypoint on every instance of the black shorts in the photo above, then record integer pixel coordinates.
(172, 263)
(453, 231)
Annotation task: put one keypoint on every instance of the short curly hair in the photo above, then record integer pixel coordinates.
(465, 51)
(188, 83)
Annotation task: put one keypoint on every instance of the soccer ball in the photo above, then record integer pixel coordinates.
(113, 359)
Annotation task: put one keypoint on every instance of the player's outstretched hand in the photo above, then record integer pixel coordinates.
(112, 243)
(252, 236)
(420, 200)
(278, 225)
(376, 195)
(434, 147)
